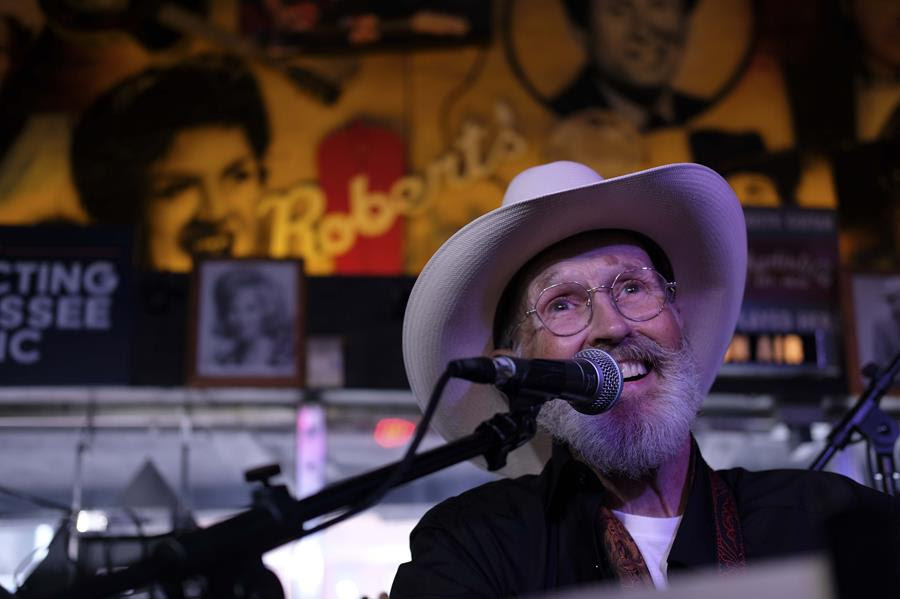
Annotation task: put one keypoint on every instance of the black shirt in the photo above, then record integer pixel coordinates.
(539, 532)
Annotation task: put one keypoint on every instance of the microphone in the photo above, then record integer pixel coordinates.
(591, 381)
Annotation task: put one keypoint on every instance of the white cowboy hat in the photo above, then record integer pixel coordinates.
(687, 209)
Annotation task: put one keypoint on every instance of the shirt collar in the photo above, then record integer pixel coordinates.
(565, 476)
(695, 541)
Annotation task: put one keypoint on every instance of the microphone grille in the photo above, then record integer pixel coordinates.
(611, 379)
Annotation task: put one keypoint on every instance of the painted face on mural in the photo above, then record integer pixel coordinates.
(202, 198)
(638, 42)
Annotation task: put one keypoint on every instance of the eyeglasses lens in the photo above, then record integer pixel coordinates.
(565, 308)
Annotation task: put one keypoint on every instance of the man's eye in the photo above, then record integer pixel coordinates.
(171, 189)
(239, 173)
(632, 287)
(562, 304)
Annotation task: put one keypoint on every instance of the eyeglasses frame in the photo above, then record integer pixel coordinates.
(668, 297)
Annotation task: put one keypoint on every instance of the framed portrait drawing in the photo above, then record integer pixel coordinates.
(247, 323)
(872, 311)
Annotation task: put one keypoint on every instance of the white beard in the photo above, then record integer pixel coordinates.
(638, 434)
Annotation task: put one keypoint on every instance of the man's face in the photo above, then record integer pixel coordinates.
(660, 398)
(592, 265)
(202, 198)
(638, 42)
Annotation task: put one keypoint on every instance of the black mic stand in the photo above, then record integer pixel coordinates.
(223, 551)
(878, 428)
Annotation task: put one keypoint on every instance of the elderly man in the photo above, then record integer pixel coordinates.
(649, 267)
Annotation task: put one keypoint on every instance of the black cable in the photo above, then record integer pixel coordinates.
(34, 499)
(506, 17)
(139, 527)
(107, 554)
(401, 468)
(40, 502)
(143, 539)
(468, 80)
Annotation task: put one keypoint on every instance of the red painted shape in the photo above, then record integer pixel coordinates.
(379, 153)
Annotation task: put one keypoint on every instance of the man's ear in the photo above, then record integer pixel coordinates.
(676, 311)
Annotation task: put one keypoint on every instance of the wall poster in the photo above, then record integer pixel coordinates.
(65, 305)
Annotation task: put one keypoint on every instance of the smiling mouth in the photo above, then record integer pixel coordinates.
(206, 238)
(633, 370)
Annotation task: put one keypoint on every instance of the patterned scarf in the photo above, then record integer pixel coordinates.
(626, 559)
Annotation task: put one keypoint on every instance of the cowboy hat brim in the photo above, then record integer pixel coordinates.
(687, 209)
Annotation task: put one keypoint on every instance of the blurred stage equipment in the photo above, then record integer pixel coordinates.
(224, 560)
(878, 429)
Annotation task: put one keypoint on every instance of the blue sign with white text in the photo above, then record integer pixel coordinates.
(65, 305)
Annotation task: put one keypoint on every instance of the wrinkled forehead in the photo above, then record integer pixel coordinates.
(580, 259)
(632, 244)
(625, 247)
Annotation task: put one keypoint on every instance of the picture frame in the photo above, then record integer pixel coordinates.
(871, 301)
(247, 323)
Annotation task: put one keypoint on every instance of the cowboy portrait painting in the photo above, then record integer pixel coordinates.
(637, 59)
(634, 50)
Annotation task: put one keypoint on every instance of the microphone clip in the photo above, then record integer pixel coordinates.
(513, 429)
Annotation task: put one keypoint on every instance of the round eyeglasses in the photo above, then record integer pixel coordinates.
(638, 294)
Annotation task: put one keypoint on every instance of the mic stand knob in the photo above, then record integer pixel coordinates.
(513, 428)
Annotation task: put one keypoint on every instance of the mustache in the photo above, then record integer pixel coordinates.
(639, 348)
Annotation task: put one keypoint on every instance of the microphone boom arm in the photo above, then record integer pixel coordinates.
(277, 518)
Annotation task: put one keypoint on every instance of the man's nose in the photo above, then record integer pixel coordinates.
(607, 326)
(212, 206)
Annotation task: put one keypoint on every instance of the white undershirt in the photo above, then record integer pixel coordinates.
(654, 538)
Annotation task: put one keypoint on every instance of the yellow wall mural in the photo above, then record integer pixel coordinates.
(363, 158)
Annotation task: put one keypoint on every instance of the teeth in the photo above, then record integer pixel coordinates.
(632, 369)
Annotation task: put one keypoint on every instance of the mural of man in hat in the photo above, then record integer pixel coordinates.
(178, 152)
(649, 267)
(634, 49)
